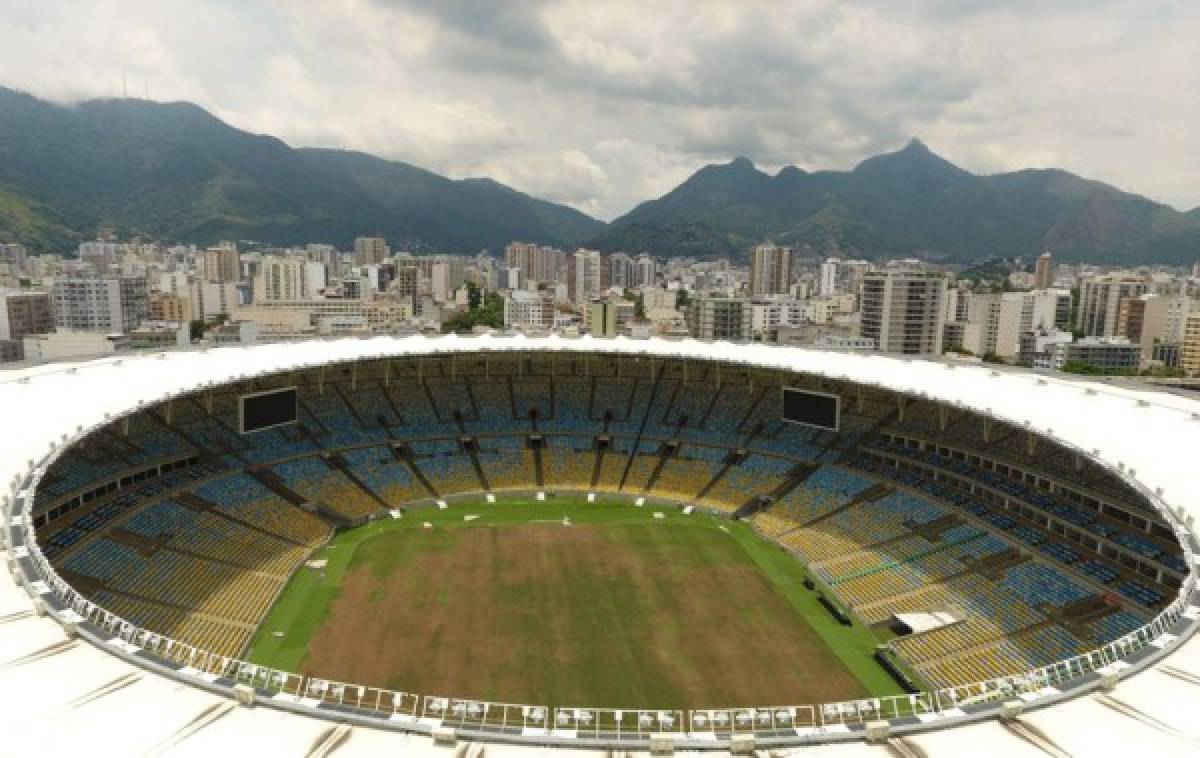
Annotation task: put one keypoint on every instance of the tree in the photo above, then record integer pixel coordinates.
(197, 328)
(489, 313)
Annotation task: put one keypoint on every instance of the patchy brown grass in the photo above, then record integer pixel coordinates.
(609, 615)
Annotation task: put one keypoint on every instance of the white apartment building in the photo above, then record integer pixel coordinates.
(828, 282)
(524, 309)
(767, 315)
(296, 319)
(92, 303)
(1163, 320)
(280, 279)
(1001, 318)
(903, 310)
(1100, 298)
(1045, 350)
(315, 277)
(209, 299)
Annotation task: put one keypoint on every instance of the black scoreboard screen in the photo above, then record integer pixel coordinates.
(818, 409)
(264, 410)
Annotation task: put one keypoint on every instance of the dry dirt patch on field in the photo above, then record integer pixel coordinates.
(628, 615)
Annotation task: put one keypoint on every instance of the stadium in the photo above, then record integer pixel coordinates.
(383, 544)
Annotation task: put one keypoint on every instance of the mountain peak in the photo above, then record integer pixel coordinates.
(914, 156)
(742, 162)
(907, 201)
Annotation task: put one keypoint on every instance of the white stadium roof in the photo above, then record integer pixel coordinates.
(62, 695)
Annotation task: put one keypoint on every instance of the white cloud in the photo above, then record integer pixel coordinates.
(604, 105)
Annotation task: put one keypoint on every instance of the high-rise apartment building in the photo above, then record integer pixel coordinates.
(369, 250)
(23, 313)
(620, 270)
(404, 283)
(1189, 351)
(828, 283)
(1100, 299)
(280, 279)
(719, 318)
(770, 270)
(645, 269)
(903, 310)
(1154, 321)
(93, 303)
(1043, 271)
(221, 263)
(538, 263)
(589, 280)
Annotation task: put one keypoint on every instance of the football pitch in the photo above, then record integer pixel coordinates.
(568, 603)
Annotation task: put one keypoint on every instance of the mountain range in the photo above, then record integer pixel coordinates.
(910, 202)
(173, 171)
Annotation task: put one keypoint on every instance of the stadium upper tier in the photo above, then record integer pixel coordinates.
(1048, 519)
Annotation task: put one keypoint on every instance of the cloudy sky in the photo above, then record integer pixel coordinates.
(604, 104)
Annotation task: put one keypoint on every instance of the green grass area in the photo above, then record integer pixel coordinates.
(604, 619)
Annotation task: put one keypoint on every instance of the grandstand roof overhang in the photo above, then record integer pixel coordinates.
(1152, 435)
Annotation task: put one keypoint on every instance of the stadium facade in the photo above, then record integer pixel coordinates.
(1057, 513)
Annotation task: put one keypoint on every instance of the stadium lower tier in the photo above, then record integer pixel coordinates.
(199, 552)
